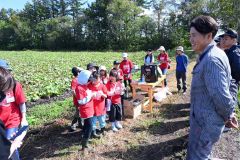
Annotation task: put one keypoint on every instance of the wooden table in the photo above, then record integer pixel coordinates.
(148, 87)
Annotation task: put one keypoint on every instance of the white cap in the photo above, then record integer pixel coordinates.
(124, 54)
(102, 68)
(179, 48)
(161, 48)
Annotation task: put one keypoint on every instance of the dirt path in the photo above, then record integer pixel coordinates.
(161, 135)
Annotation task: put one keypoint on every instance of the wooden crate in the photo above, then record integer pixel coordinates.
(132, 110)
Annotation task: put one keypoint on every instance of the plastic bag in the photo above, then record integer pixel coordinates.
(160, 95)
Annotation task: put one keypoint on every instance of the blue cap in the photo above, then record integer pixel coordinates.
(5, 65)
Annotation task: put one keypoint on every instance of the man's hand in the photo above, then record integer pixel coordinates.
(232, 122)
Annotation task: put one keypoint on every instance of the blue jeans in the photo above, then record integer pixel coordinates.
(164, 72)
(101, 119)
(9, 133)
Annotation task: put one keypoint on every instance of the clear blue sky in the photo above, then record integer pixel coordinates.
(15, 4)
(19, 4)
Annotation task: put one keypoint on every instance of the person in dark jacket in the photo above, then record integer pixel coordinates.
(233, 52)
(181, 69)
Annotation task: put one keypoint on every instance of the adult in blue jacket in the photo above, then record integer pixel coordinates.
(181, 69)
(213, 96)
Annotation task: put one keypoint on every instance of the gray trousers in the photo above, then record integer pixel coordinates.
(199, 144)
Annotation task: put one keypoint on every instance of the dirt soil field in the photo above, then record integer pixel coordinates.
(161, 135)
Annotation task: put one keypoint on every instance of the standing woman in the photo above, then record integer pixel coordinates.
(163, 61)
(213, 94)
(149, 58)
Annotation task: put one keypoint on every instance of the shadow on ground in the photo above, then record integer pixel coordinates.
(153, 151)
(47, 142)
(172, 148)
(53, 140)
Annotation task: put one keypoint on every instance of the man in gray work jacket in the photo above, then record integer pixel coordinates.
(213, 95)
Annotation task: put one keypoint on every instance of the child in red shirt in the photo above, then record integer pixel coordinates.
(163, 61)
(120, 78)
(115, 89)
(126, 66)
(98, 103)
(103, 75)
(76, 118)
(85, 104)
(13, 108)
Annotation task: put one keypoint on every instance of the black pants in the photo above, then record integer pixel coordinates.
(179, 76)
(77, 121)
(238, 83)
(129, 83)
(87, 130)
(122, 100)
(115, 114)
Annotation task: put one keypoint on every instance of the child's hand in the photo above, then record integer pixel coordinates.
(111, 93)
(91, 93)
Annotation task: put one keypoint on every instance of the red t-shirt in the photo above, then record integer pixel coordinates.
(126, 66)
(74, 84)
(116, 98)
(99, 102)
(163, 57)
(86, 110)
(10, 112)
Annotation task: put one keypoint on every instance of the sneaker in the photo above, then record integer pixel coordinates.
(95, 135)
(72, 129)
(226, 129)
(114, 129)
(184, 92)
(118, 125)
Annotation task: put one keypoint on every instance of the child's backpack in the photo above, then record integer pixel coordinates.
(151, 73)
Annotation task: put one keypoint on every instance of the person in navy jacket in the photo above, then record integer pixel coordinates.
(181, 69)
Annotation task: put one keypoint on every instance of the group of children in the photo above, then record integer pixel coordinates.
(95, 95)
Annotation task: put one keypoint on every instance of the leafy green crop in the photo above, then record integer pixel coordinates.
(46, 74)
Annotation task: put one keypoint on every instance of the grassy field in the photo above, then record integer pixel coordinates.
(45, 74)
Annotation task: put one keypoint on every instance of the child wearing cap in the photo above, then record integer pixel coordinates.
(120, 79)
(76, 118)
(115, 89)
(126, 66)
(163, 61)
(92, 67)
(98, 103)
(85, 105)
(103, 75)
(181, 69)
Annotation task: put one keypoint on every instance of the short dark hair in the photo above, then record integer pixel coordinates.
(114, 73)
(75, 71)
(205, 24)
(95, 75)
(7, 82)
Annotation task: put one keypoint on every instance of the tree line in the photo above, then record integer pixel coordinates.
(108, 24)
